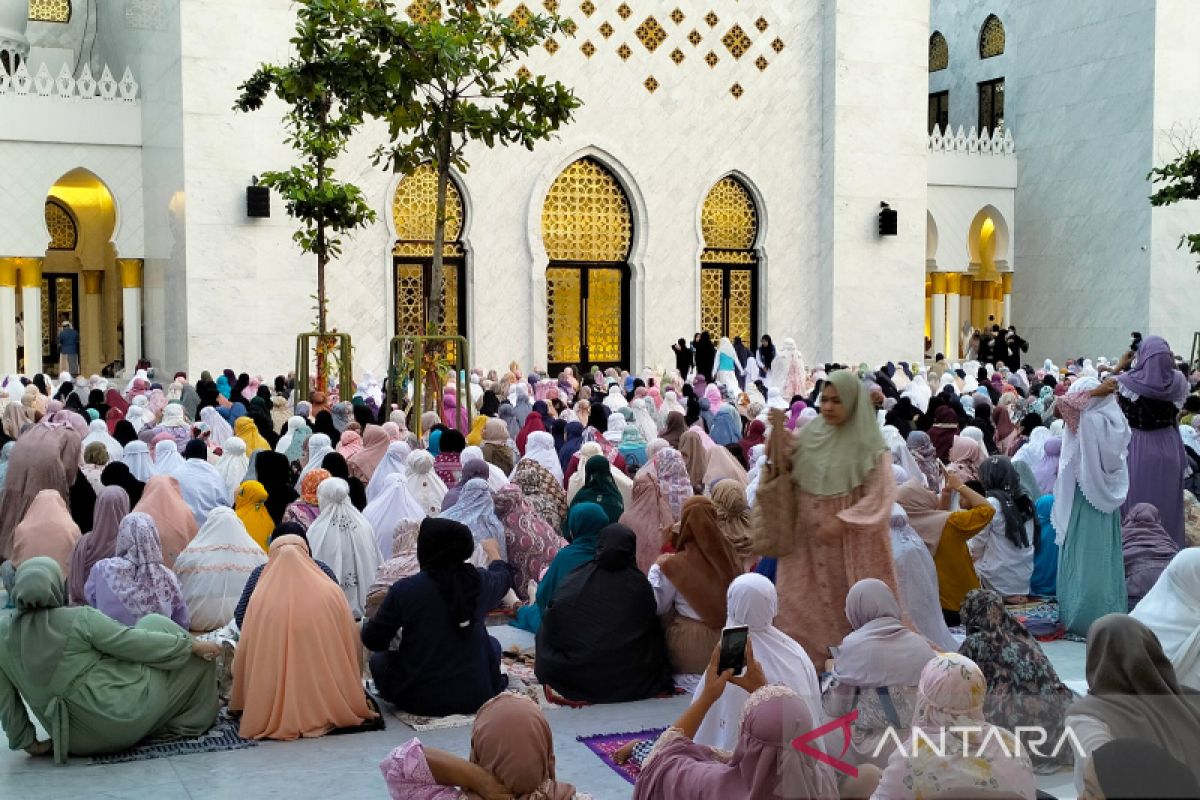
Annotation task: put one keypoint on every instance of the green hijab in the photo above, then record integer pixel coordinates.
(831, 460)
(600, 488)
(38, 630)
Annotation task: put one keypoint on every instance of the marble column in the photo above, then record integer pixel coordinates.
(8, 317)
(91, 345)
(31, 306)
(131, 307)
(953, 349)
(938, 318)
(965, 282)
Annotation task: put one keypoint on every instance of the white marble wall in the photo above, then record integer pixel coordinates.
(1174, 283)
(1089, 87)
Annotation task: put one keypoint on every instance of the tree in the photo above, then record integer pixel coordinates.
(1180, 181)
(328, 86)
(461, 60)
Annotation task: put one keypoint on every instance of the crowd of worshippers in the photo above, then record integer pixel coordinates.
(170, 551)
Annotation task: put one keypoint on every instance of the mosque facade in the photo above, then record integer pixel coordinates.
(726, 172)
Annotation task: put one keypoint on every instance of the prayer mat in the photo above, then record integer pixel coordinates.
(521, 680)
(605, 744)
(1040, 618)
(222, 736)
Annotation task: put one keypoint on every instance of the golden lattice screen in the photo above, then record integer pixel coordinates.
(50, 10)
(60, 224)
(586, 216)
(414, 212)
(939, 52)
(991, 37)
(729, 220)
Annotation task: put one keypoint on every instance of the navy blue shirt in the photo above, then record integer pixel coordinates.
(68, 341)
(436, 670)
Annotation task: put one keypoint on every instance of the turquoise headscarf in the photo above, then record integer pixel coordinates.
(584, 523)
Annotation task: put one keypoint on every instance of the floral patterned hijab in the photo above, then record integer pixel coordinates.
(136, 574)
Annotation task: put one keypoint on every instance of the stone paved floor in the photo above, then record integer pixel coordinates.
(347, 766)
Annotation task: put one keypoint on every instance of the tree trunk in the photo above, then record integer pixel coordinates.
(433, 304)
(322, 261)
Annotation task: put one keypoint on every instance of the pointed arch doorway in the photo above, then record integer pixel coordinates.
(729, 221)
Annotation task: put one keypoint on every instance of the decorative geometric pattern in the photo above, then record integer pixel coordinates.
(991, 37)
(650, 34)
(414, 210)
(677, 56)
(586, 216)
(712, 19)
(410, 299)
(737, 91)
(677, 16)
(606, 30)
(740, 307)
(605, 314)
(564, 299)
(550, 5)
(521, 15)
(424, 12)
(588, 49)
(61, 225)
(712, 59)
(761, 62)
(624, 52)
(50, 10)
(587, 7)
(761, 24)
(939, 52)
(712, 300)
(524, 74)
(778, 45)
(729, 218)
(651, 84)
(695, 38)
(551, 46)
(736, 41)
(623, 11)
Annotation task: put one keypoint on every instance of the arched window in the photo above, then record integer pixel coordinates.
(50, 10)
(63, 233)
(587, 228)
(939, 52)
(729, 264)
(414, 211)
(991, 37)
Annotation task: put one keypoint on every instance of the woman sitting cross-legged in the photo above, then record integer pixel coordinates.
(512, 755)
(445, 662)
(99, 686)
(584, 523)
(134, 582)
(297, 668)
(600, 641)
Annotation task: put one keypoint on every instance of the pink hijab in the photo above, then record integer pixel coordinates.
(112, 504)
(46, 530)
(350, 444)
(771, 718)
(375, 444)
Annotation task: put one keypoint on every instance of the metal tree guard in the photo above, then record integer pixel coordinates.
(304, 343)
(406, 354)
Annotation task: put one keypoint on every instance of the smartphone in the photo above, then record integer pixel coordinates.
(733, 650)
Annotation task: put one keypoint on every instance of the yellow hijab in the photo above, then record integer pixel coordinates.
(251, 507)
(247, 431)
(475, 437)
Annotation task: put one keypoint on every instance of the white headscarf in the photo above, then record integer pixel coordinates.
(975, 434)
(220, 430)
(918, 392)
(1094, 459)
(139, 414)
(423, 483)
(136, 456)
(213, 569)
(173, 416)
(370, 389)
(901, 455)
(539, 447)
(342, 538)
(233, 463)
(670, 403)
(167, 460)
(98, 432)
(616, 428)
(319, 446)
(285, 441)
(393, 504)
(497, 480)
(203, 488)
(644, 418)
(752, 601)
(1034, 451)
(1172, 610)
(615, 399)
(393, 463)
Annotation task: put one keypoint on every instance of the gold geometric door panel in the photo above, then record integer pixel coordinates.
(587, 229)
(414, 211)
(60, 301)
(729, 263)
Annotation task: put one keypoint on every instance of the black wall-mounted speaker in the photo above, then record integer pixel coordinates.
(258, 201)
(887, 221)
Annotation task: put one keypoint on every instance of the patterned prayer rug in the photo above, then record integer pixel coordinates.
(605, 744)
(222, 736)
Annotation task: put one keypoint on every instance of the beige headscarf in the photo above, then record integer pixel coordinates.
(733, 515)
